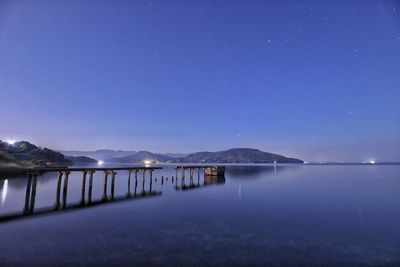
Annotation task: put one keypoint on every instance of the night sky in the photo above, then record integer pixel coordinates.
(319, 80)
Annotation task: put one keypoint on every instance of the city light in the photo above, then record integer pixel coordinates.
(11, 141)
(371, 162)
(100, 162)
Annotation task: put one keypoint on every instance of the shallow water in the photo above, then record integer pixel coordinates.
(292, 215)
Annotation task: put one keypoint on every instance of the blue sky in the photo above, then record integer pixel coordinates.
(313, 79)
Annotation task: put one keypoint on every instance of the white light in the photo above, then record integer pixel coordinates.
(11, 141)
(371, 162)
(147, 162)
(100, 162)
(4, 192)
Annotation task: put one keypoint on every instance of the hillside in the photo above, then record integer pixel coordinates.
(100, 154)
(104, 154)
(25, 154)
(235, 155)
(141, 156)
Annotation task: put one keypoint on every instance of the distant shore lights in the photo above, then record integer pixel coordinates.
(100, 162)
(372, 162)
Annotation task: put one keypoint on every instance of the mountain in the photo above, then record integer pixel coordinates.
(25, 154)
(140, 157)
(175, 155)
(235, 155)
(100, 154)
(82, 160)
(104, 154)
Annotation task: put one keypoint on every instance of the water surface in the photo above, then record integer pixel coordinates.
(293, 215)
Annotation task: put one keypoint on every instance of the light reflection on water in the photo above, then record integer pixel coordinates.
(4, 191)
(257, 216)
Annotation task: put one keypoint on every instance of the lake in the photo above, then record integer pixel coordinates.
(291, 215)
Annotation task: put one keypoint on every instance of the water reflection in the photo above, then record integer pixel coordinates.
(4, 192)
(300, 216)
(194, 183)
(257, 171)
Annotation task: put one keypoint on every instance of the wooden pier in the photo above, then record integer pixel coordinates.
(135, 187)
(86, 188)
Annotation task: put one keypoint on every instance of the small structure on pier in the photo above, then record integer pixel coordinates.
(208, 170)
(214, 171)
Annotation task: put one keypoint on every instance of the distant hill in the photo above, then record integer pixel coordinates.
(100, 154)
(82, 160)
(235, 155)
(25, 154)
(141, 156)
(175, 155)
(106, 154)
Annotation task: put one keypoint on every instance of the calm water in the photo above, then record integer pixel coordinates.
(293, 216)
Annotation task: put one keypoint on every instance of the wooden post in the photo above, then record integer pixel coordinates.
(113, 173)
(60, 175)
(83, 189)
(33, 194)
(143, 181)
(129, 183)
(90, 187)
(151, 180)
(135, 190)
(28, 192)
(65, 189)
(106, 172)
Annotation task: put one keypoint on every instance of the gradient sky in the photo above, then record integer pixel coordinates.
(319, 80)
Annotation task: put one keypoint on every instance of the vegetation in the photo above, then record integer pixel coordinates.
(25, 154)
(235, 155)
